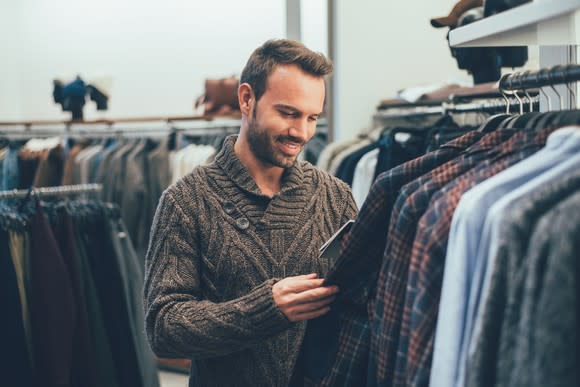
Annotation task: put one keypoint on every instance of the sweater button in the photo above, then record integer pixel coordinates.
(229, 208)
(242, 223)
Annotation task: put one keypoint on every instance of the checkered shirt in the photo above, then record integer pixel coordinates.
(411, 204)
(356, 269)
(417, 335)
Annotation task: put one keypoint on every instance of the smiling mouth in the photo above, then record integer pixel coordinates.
(289, 147)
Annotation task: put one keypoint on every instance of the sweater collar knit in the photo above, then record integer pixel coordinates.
(229, 162)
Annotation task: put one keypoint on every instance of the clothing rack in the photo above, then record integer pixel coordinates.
(557, 75)
(110, 122)
(493, 106)
(544, 77)
(484, 106)
(63, 190)
(107, 133)
(527, 82)
(27, 129)
(209, 125)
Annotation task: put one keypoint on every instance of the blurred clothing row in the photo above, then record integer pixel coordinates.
(134, 171)
(360, 160)
(70, 291)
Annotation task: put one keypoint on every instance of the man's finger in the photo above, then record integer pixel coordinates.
(311, 275)
(301, 285)
(312, 306)
(316, 294)
(311, 315)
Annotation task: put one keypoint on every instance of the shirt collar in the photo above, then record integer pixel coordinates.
(229, 162)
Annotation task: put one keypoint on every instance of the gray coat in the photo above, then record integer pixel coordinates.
(490, 358)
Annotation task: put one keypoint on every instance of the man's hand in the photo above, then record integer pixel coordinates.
(302, 297)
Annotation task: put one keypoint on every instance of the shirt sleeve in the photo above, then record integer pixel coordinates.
(179, 322)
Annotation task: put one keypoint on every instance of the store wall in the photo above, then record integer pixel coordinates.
(10, 49)
(381, 47)
(154, 54)
(313, 24)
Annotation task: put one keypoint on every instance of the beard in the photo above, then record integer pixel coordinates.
(263, 147)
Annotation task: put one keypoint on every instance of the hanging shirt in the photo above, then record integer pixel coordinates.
(186, 159)
(331, 150)
(464, 244)
(540, 340)
(363, 176)
(500, 290)
(357, 267)
(10, 168)
(428, 258)
(410, 205)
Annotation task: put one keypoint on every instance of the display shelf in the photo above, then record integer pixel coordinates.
(541, 22)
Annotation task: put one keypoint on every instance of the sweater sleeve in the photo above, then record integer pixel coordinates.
(179, 322)
(350, 208)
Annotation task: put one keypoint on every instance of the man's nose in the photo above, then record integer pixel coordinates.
(299, 130)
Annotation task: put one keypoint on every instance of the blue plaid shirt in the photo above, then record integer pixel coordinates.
(416, 340)
(410, 205)
(355, 273)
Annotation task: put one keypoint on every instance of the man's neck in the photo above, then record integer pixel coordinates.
(267, 178)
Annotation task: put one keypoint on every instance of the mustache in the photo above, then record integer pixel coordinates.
(291, 139)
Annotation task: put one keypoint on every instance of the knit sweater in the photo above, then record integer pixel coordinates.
(217, 247)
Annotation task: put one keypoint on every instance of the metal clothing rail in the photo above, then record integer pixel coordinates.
(110, 132)
(125, 120)
(532, 103)
(526, 80)
(484, 106)
(62, 190)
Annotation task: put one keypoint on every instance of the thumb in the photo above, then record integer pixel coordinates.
(308, 276)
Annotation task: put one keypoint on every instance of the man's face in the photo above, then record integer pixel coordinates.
(284, 119)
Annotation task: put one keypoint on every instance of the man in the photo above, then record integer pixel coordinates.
(232, 271)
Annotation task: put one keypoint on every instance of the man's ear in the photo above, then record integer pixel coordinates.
(246, 98)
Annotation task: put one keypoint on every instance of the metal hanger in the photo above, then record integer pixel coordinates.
(522, 120)
(497, 120)
(573, 93)
(538, 121)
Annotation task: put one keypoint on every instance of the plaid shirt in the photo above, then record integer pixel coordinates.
(412, 202)
(356, 269)
(428, 257)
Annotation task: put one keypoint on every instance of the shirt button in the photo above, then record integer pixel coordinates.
(242, 223)
(229, 208)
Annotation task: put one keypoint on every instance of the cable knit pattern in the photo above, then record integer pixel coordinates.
(217, 247)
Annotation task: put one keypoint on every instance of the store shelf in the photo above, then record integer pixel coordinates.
(541, 22)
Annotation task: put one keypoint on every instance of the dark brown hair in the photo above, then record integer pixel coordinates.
(274, 52)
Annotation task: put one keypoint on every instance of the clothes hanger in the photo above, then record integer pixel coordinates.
(522, 120)
(509, 116)
(549, 118)
(492, 123)
(570, 117)
(537, 121)
(512, 122)
(496, 121)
